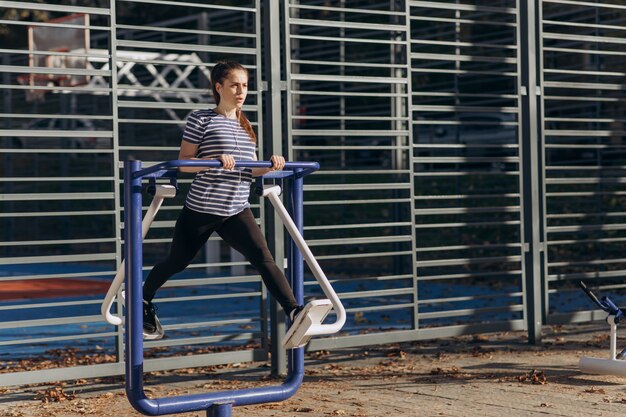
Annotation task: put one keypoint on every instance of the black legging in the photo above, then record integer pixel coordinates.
(240, 231)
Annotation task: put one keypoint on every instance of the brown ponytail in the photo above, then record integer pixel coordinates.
(219, 73)
(245, 123)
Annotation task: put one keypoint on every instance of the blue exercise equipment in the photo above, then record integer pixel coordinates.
(614, 364)
(219, 404)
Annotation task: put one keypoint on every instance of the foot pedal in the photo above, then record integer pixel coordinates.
(158, 333)
(305, 323)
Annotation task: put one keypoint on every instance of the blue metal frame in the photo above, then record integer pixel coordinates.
(217, 404)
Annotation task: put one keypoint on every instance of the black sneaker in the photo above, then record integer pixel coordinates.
(294, 313)
(152, 329)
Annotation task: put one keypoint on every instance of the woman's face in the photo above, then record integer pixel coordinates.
(234, 89)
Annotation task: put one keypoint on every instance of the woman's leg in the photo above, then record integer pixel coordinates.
(244, 235)
(191, 232)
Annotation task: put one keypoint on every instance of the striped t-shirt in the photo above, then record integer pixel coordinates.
(218, 191)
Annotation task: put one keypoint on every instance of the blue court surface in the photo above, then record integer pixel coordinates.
(82, 297)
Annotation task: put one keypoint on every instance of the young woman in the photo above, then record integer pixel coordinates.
(218, 198)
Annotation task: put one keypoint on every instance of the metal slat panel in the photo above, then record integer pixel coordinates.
(48, 322)
(339, 94)
(47, 340)
(424, 249)
(189, 31)
(583, 84)
(56, 133)
(461, 210)
(346, 132)
(380, 293)
(369, 255)
(359, 240)
(465, 160)
(465, 58)
(467, 261)
(347, 78)
(64, 152)
(162, 73)
(467, 224)
(47, 70)
(461, 6)
(345, 40)
(578, 38)
(195, 5)
(64, 8)
(49, 179)
(57, 242)
(33, 260)
(54, 196)
(353, 187)
(46, 305)
(102, 91)
(592, 5)
(458, 20)
(202, 340)
(346, 24)
(500, 274)
(356, 226)
(582, 25)
(344, 64)
(472, 312)
(498, 46)
(55, 214)
(343, 9)
(44, 24)
(328, 77)
(133, 45)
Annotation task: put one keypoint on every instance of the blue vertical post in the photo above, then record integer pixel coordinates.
(296, 265)
(134, 260)
(220, 409)
(296, 206)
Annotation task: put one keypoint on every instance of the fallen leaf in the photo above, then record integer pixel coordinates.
(594, 390)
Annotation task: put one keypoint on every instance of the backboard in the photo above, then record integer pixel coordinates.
(67, 41)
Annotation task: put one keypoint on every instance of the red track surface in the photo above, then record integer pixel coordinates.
(51, 288)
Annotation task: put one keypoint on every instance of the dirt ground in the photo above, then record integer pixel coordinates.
(487, 375)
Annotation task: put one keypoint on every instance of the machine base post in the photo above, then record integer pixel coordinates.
(221, 409)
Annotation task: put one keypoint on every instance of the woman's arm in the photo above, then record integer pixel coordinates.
(188, 152)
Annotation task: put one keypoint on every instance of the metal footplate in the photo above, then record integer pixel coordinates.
(308, 323)
(158, 334)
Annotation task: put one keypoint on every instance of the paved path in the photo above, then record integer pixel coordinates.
(492, 375)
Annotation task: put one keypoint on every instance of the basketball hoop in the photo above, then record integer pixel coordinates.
(63, 43)
(37, 95)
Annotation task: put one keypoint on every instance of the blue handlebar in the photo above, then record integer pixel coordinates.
(611, 308)
(604, 303)
(307, 167)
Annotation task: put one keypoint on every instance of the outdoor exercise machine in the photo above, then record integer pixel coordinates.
(218, 404)
(614, 364)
